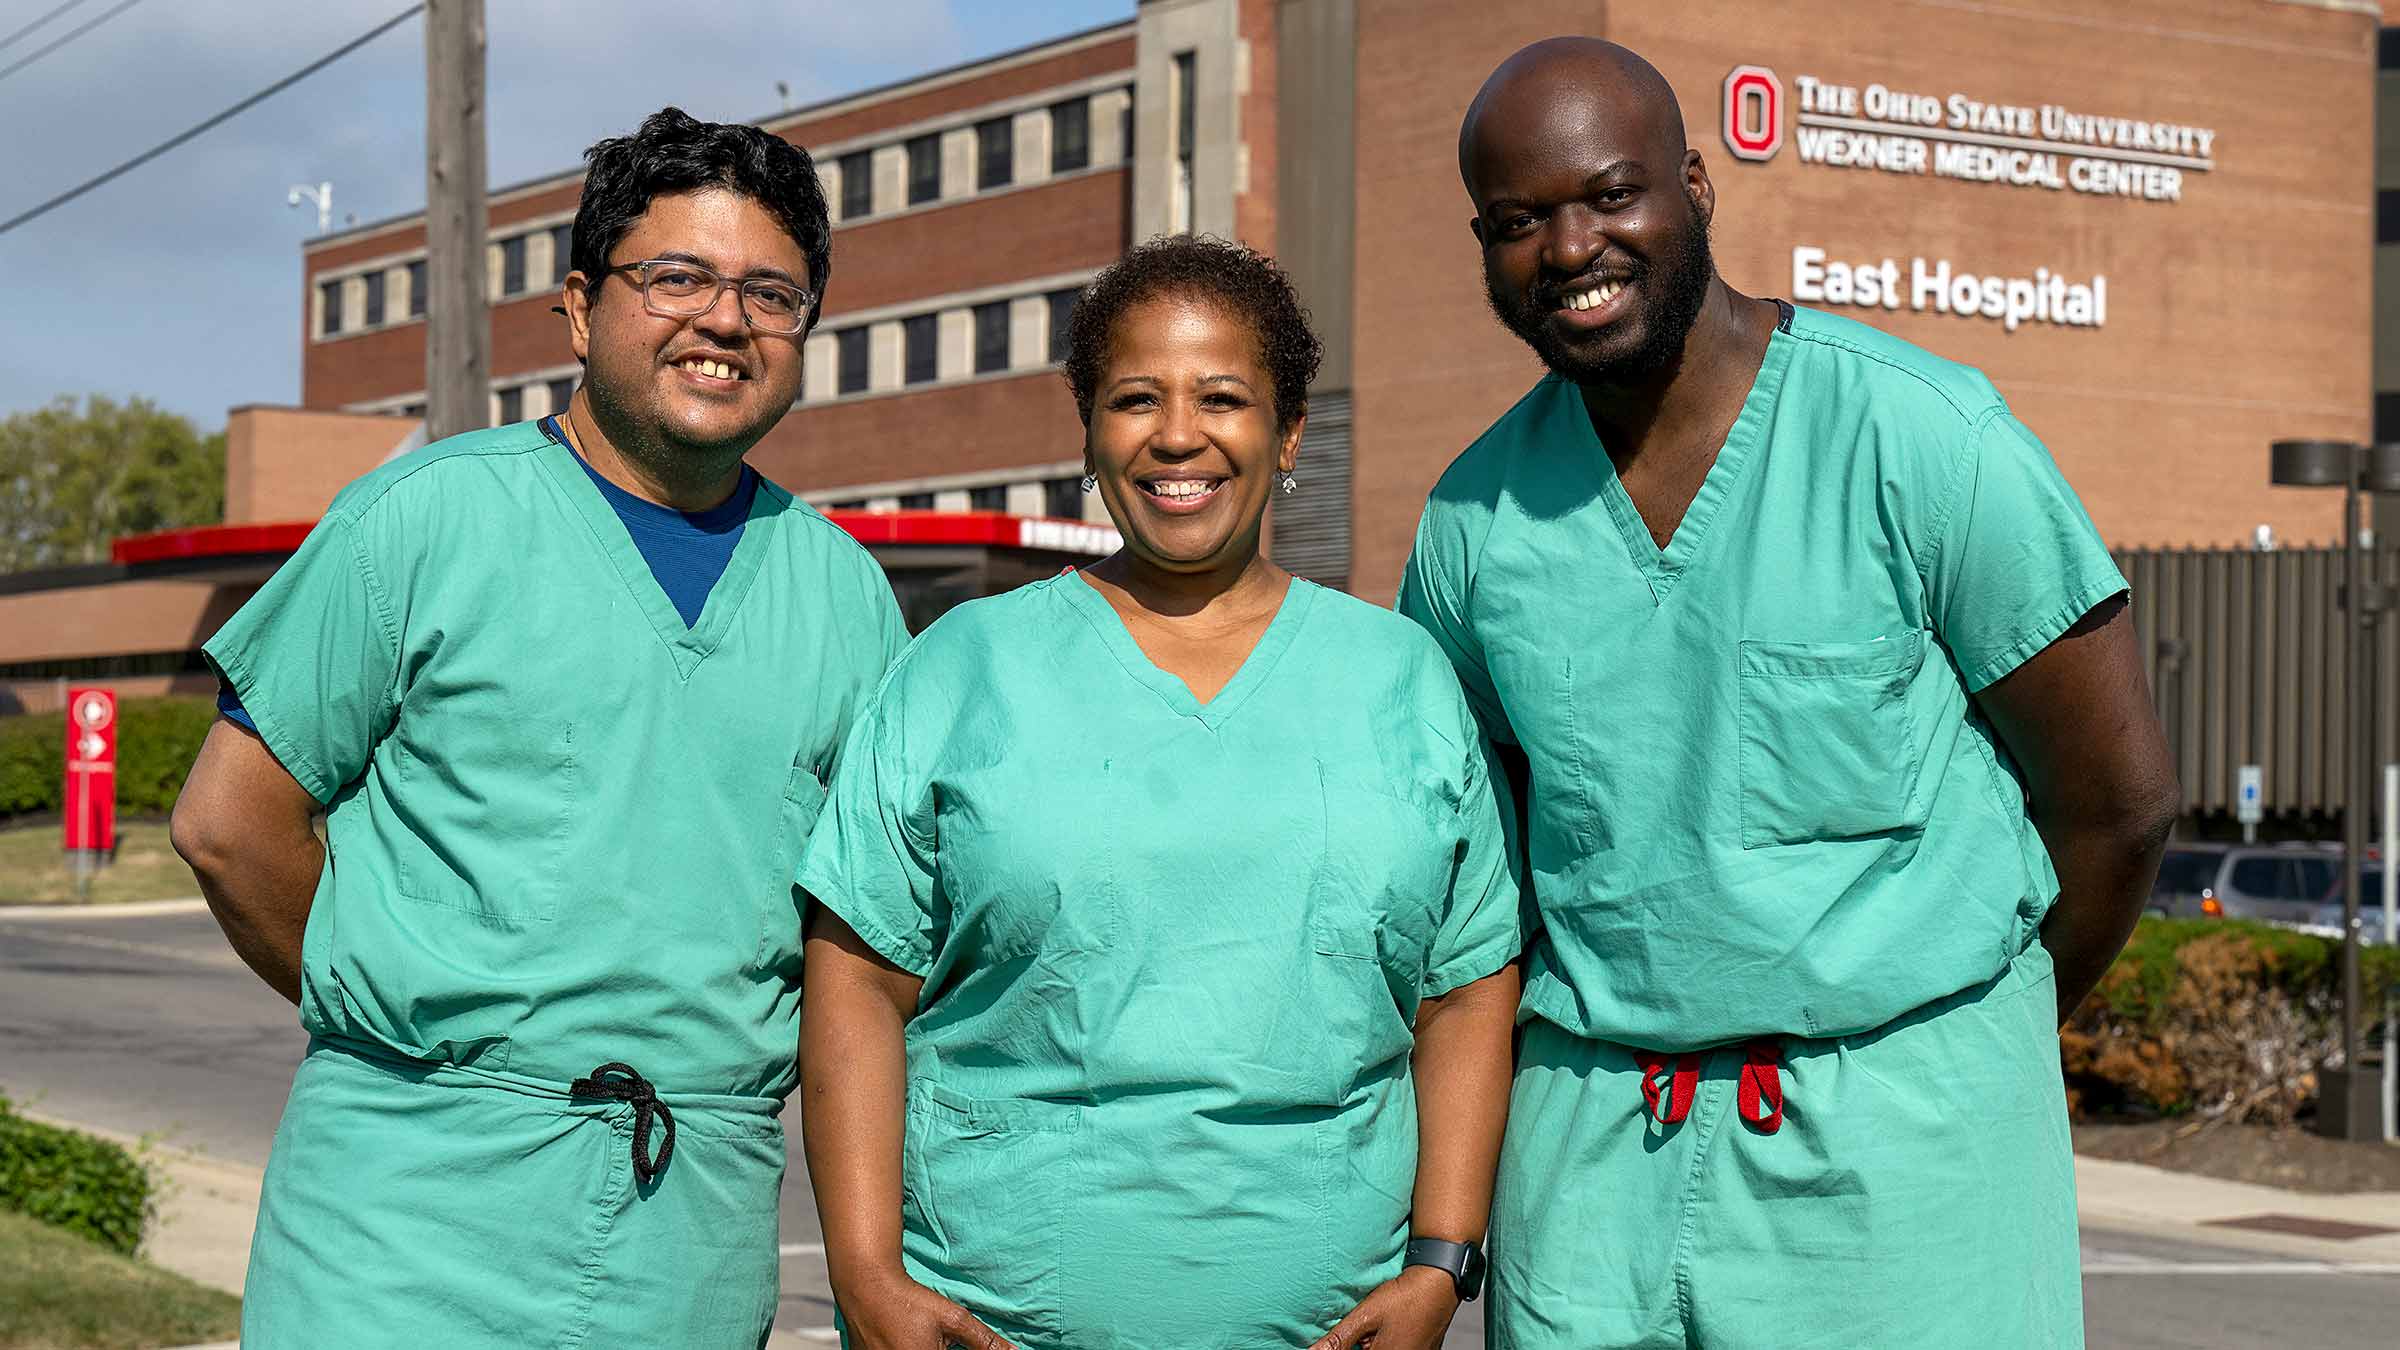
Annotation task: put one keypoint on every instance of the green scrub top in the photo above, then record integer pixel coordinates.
(562, 824)
(1763, 802)
(1159, 1077)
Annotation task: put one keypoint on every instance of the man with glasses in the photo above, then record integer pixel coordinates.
(566, 693)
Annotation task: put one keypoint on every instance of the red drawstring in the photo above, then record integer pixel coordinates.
(1679, 1091)
(1761, 1091)
(1762, 1086)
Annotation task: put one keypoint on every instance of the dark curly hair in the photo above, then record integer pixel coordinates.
(671, 152)
(1243, 283)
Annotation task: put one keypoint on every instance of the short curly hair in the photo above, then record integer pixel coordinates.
(673, 152)
(1242, 282)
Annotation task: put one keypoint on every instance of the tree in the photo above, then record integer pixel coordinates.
(71, 479)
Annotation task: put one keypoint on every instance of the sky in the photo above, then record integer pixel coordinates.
(181, 281)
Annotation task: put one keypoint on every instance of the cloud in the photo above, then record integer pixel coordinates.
(182, 281)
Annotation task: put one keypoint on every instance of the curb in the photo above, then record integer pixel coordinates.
(207, 1208)
(130, 909)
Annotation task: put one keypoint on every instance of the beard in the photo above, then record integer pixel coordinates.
(1671, 288)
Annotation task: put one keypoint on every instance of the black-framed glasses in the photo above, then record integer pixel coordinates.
(674, 289)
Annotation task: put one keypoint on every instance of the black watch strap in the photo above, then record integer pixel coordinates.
(1463, 1261)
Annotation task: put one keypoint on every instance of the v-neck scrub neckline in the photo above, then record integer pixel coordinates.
(690, 644)
(1171, 690)
(1662, 566)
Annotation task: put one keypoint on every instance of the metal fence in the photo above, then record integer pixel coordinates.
(2244, 650)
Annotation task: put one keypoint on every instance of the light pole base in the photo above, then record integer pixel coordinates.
(2350, 1101)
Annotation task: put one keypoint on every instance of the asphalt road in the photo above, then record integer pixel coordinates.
(149, 1025)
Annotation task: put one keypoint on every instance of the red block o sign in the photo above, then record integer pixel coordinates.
(1753, 113)
(91, 796)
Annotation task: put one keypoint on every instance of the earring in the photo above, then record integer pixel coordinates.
(1285, 482)
(1091, 481)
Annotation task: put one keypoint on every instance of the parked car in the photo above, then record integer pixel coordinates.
(2370, 901)
(2281, 883)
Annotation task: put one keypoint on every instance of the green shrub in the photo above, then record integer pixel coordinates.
(73, 1181)
(157, 739)
(2223, 1018)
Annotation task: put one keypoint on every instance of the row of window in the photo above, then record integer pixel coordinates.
(374, 290)
(517, 402)
(383, 295)
(1060, 497)
(992, 350)
(1070, 138)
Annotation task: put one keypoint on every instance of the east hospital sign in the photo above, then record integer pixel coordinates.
(1878, 129)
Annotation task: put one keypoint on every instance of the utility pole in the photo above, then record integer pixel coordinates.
(458, 337)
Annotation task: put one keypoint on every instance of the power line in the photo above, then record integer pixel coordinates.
(72, 34)
(11, 39)
(245, 105)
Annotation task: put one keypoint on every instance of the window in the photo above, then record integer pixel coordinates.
(916, 501)
(2257, 876)
(1070, 135)
(416, 289)
(924, 169)
(512, 266)
(2387, 417)
(416, 410)
(374, 314)
(562, 390)
(854, 504)
(329, 294)
(562, 253)
(858, 184)
(991, 337)
(1063, 497)
(2315, 880)
(990, 497)
(1181, 93)
(850, 361)
(512, 405)
(917, 340)
(1062, 308)
(995, 153)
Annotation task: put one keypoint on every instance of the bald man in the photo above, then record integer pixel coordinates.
(1843, 781)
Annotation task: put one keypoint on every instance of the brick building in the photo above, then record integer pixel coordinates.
(2179, 197)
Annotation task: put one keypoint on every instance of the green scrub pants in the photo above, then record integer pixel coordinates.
(1918, 1189)
(412, 1205)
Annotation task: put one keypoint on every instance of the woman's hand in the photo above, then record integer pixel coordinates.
(894, 1312)
(1410, 1311)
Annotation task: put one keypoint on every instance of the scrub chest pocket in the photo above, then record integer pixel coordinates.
(1825, 738)
(496, 854)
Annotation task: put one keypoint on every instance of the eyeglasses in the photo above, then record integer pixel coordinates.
(673, 289)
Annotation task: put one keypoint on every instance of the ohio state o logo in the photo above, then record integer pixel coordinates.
(1753, 113)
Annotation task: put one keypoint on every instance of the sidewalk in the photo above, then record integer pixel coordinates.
(2336, 1228)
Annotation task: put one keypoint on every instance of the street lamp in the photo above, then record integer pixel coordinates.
(321, 195)
(2349, 1104)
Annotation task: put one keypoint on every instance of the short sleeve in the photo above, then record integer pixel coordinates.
(2016, 561)
(1431, 595)
(313, 659)
(873, 856)
(1482, 926)
(882, 636)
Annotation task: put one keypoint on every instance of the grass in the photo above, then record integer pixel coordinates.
(59, 1291)
(33, 867)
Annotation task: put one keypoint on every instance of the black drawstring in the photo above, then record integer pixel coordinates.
(633, 1088)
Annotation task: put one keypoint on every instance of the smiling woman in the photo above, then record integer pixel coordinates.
(1286, 808)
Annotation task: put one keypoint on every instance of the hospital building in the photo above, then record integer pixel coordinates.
(2159, 227)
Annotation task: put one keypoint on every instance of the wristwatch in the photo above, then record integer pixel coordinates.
(1463, 1261)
